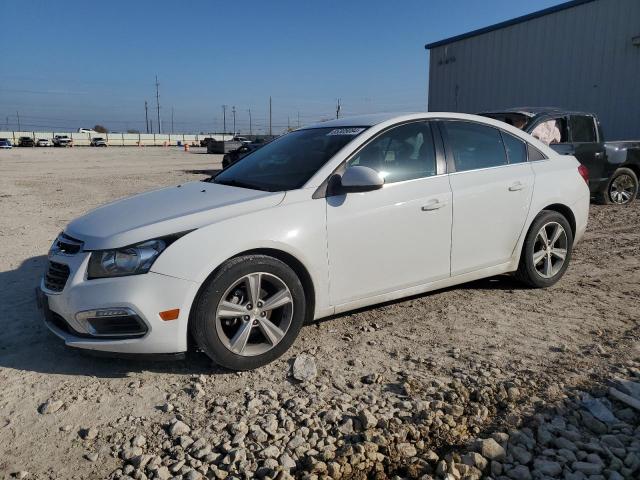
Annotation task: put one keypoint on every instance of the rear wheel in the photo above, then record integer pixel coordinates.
(249, 313)
(546, 251)
(622, 187)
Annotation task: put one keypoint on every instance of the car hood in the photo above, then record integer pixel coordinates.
(164, 212)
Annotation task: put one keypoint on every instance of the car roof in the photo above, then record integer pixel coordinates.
(359, 120)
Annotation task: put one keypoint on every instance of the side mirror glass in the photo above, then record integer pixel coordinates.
(359, 179)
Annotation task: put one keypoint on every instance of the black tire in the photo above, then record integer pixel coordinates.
(527, 271)
(612, 195)
(203, 316)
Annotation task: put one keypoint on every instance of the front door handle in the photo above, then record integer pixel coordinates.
(516, 186)
(433, 205)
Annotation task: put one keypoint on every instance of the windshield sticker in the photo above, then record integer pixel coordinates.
(346, 131)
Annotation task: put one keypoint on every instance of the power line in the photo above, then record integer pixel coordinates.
(233, 110)
(270, 130)
(146, 115)
(158, 104)
(224, 119)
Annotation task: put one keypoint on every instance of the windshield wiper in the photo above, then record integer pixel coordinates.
(237, 183)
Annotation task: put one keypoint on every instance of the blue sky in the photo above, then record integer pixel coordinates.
(73, 63)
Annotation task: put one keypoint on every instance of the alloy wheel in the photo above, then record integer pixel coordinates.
(622, 189)
(254, 314)
(550, 249)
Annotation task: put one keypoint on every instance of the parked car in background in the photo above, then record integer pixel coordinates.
(98, 142)
(26, 142)
(62, 141)
(205, 141)
(241, 140)
(86, 130)
(614, 167)
(238, 153)
(328, 218)
(5, 143)
(43, 142)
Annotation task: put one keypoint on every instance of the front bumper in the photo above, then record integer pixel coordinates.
(144, 295)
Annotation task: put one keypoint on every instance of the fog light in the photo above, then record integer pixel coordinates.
(112, 322)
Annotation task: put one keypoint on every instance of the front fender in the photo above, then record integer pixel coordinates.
(296, 227)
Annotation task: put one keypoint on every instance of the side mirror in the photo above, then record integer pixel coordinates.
(357, 179)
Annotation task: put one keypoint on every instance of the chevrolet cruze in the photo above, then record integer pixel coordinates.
(325, 219)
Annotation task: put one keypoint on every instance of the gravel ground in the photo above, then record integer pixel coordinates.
(488, 379)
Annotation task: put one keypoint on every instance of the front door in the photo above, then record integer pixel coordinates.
(396, 237)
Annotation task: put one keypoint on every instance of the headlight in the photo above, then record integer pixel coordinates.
(131, 260)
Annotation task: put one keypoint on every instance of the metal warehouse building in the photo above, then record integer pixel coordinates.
(582, 55)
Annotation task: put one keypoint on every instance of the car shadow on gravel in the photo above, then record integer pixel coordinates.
(26, 343)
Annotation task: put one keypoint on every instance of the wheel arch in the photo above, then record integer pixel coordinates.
(290, 260)
(566, 212)
(634, 167)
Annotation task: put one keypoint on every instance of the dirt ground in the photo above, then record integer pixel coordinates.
(571, 333)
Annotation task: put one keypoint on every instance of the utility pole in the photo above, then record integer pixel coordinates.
(338, 109)
(146, 115)
(224, 121)
(151, 123)
(18, 115)
(158, 103)
(250, 129)
(288, 123)
(171, 119)
(233, 110)
(270, 118)
(6, 125)
(298, 118)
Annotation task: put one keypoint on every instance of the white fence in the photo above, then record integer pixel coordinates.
(118, 139)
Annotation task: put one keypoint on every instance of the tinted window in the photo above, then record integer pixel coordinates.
(403, 153)
(516, 148)
(535, 154)
(289, 161)
(475, 146)
(582, 129)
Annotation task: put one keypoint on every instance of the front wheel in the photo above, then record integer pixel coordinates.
(546, 251)
(249, 312)
(622, 187)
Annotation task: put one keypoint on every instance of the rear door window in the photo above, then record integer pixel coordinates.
(516, 148)
(582, 129)
(474, 146)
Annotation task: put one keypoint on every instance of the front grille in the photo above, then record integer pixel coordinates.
(56, 276)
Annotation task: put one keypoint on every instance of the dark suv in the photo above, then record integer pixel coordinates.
(26, 142)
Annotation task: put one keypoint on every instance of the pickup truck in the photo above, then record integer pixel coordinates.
(61, 141)
(614, 167)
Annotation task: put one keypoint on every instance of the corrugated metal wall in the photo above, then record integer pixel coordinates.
(581, 58)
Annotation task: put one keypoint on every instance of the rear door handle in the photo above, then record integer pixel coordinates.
(433, 205)
(516, 186)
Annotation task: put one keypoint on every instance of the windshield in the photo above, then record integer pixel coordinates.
(289, 161)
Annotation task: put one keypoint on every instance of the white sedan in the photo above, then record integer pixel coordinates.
(325, 219)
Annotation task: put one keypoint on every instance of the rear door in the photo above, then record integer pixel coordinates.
(492, 185)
